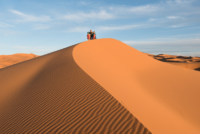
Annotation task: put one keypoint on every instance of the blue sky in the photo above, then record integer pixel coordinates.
(151, 26)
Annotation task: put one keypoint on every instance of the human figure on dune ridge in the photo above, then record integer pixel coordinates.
(91, 35)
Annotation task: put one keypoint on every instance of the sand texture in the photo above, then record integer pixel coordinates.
(7, 60)
(52, 94)
(164, 97)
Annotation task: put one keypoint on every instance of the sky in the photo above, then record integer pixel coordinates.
(150, 26)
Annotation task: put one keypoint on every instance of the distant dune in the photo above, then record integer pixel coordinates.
(99, 86)
(7, 60)
(182, 61)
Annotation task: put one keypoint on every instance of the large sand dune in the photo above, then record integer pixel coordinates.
(52, 94)
(164, 97)
(100, 86)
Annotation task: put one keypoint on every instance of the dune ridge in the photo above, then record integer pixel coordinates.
(164, 97)
(182, 61)
(52, 94)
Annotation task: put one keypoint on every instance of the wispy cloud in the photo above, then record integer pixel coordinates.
(84, 3)
(177, 26)
(184, 45)
(123, 27)
(26, 17)
(77, 29)
(41, 27)
(172, 17)
(81, 16)
(9, 32)
(166, 13)
(161, 8)
(136, 10)
(103, 28)
(5, 25)
(169, 13)
(166, 41)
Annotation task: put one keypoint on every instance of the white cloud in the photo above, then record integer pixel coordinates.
(41, 27)
(123, 27)
(172, 17)
(176, 26)
(84, 3)
(81, 16)
(171, 8)
(9, 32)
(166, 41)
(152, 19)
(137, 10)
(103, 28)
(5, 25)
(26, 17)
(78, 29)
(179, 1)
(171, 45)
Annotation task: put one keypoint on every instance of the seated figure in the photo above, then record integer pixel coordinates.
(91, 35)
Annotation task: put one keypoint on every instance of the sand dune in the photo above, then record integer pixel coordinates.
(164, 97)
(7, 60)
(182, 61)
(52, 94)
(99, 86)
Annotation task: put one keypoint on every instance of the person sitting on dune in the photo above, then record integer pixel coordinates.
(94, 35)
(91, 35)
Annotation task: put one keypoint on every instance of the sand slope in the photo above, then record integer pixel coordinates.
(164, 97)
(7, 60)
(52, 94)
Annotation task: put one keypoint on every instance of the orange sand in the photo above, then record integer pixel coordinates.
(7, 60)
(52, 94)
(99, 86)
(182, 61)
(164, 97)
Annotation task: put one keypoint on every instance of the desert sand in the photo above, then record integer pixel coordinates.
(52, 94)
(164, 97)
(7, 60)
(182, 61)
(99, 86)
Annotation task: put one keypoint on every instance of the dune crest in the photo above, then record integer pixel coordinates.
(164, 97)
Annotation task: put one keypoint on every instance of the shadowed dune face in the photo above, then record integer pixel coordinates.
(7, 60)
(164, 97)
(52, 94)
